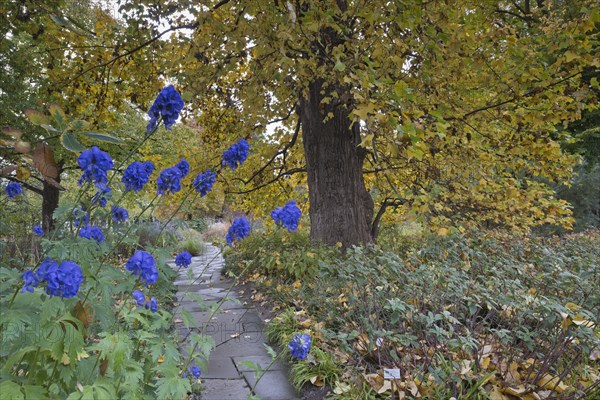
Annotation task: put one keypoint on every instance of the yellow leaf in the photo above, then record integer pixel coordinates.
(317, 380)
(23, 173)
(443, 232)
(161, 359)
(550, 382)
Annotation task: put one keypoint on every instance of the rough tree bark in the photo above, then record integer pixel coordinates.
(341, 209)
(50, 197)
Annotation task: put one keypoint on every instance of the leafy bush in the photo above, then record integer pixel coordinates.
(458, 317)
(287, 256)
(154, 234)
(192, 243)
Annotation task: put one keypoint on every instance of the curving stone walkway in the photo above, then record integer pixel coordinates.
(238, 333)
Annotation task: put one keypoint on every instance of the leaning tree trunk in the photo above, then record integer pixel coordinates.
(341, 209)
(50, 196)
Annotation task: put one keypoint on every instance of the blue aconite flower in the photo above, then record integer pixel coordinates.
(236, 154)
(38, 230)
(287, 216)
(195, 371)
(136, 175)
(30, 280)
(204, 182)
(239, 229)
(139, 297)
(300, 346)
(119, 214)
(168, 105)
(183, 259)
(142, 263)
(61, 280)
(95, 163)
(13, 189)
(70, 275)
(153, 305)
(80, 219)
(183, 166)
(169, 180)
(101, 197)
(92, 232)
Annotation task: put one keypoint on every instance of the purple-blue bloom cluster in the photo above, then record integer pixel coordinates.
(119, 214)
(168, 105)
(80, 220)
(136, 175)
(140, 299)
(61, 280)
(142, 263)
(183, 259)
(169, 180)
(300, 346)
(204, 182)
(13, 189)
(287, 216)
(38, 230)
(152, 305)
(92, 232)
(95, 164)
(239, 229)
(101, 197)
(184, 167)
(236, 154)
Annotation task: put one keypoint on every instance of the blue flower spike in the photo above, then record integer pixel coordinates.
(300, 346)
(13, 189)
(287, 216)
(38, 230)
(236, 154)
(239, 229)
(142, 263)
(168, 105)
(183, 259)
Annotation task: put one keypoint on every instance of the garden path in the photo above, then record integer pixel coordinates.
(238, 332)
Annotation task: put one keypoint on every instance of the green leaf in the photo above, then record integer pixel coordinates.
(59, 116)
(35, 392)
(339, 66)
(11, 390)
(270, 350)
(36, 117)
(187, 318)
(59, 20)
(102, 137)
(70, 142)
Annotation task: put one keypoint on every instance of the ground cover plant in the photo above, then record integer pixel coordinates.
(486, 316)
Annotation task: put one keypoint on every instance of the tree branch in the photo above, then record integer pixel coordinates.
(280, 152)
(386, 203)
(286, 173)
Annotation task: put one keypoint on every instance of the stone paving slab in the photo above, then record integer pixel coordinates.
(262, 361)
(221, 367)
(237, 330)
(274, 385)
(224, 389)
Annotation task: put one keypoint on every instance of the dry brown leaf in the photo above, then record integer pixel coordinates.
(317, 381)
(43, 161)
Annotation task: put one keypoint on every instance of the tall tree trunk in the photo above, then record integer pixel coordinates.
(341, 209)
(50, 196)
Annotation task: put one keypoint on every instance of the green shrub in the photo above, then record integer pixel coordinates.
(192, 242)
(462, 317)
(287, 256)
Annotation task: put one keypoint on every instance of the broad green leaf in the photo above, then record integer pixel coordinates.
(70, 142)
(102, 137)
